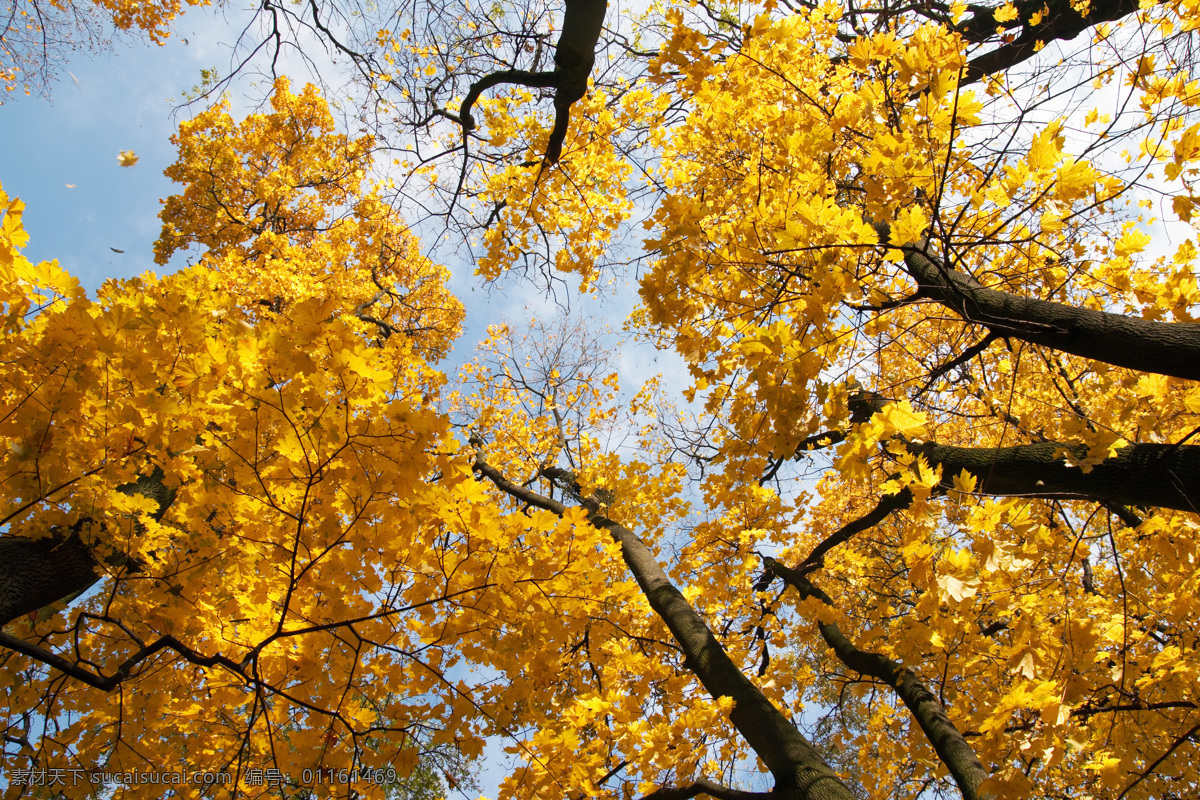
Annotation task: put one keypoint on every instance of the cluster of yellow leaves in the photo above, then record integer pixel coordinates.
(578, 203)
(154, 18)
(541, 400)
(296, 453)
(280, 206)
(326, 531)
(764, 255)
(27, 287)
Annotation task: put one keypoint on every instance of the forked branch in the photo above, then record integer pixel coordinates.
(797, 767)
(952, 748)
(574, 56)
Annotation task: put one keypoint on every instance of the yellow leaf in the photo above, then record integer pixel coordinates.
(1024, 666)
(1006, 13)
(1132, 241)
(910, 226)
(901, 419)
(1045, 150)
(1182, 205)
(957, 589)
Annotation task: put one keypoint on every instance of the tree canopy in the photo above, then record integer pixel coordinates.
(924, 523)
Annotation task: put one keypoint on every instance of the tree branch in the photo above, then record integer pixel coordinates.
(705, 786)
(574, 56)
(520, 77)
(1165, 348)
(1144, 474)
(951, 747)
(797, 767)
(1059, 22)
(111, 682)
(886, 505)
(960, 359)
(1150, 769)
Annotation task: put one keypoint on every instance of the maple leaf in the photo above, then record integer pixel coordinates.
(1005, 13)
(957, 589)
(902, 420)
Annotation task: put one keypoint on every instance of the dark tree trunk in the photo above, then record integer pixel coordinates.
(574, 56)
(1165, 348)
(799, 771)
(36, 573)
(952, 748)
(926, 709)
(1158, 475)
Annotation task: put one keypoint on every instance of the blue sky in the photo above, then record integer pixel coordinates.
(123, 101)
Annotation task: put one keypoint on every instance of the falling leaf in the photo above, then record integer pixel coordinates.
(115, 250)
(127, 158)
(70, 186)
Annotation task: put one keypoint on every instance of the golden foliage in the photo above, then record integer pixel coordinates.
(831, 200)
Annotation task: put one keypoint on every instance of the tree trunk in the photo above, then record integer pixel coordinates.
(1165, 348)
(926, 709)
(948, 742)
(799, 771)
(37, 572)
(1158, 475)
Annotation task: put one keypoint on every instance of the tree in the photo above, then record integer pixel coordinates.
(942, 365)
(36, 37)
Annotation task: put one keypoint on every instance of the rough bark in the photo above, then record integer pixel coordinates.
(1157, 475)
(948, 742)
(1165, 348)
(36, 573)
(1059, 22)
(798, 769)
